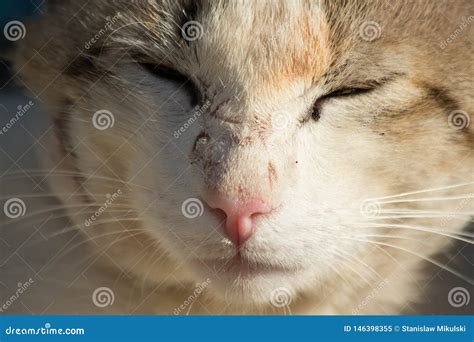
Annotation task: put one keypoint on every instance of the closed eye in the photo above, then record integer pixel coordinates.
(164, 72)
(342, 92)
(172, 75)
(348, 92)
(362, 88)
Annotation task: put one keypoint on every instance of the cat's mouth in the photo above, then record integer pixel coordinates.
(241, 266)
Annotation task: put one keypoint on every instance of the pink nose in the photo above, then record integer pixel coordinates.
(240, 215)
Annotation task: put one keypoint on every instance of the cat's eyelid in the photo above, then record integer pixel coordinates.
(163, 71)
(348, 91)
(166, 70)
(365, 85)
(169, 73)
(355, 88)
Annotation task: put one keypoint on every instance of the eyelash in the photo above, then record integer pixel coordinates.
(172, 75)
(344, 92)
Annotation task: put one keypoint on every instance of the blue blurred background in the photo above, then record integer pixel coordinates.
(19, 9)
(15, 10)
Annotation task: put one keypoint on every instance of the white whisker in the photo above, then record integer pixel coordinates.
(353, 258)
(19, 175)
(121, 209)
(55, 195)
(426, 212)
(98, 222)
(432, 216)
(423, 229)
(428, 259)
(423, 191)
(431, 199)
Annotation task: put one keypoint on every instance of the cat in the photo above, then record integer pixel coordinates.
(255, 157)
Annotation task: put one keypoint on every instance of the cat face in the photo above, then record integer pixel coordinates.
(254, 141)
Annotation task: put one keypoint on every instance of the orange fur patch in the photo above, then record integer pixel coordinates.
(308, 51)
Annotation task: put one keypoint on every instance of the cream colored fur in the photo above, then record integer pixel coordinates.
(261, 65)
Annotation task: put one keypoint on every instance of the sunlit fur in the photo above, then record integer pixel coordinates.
(261, 65)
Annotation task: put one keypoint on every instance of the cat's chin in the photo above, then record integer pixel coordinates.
(235, 281)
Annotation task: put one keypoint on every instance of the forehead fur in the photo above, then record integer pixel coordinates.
(283, 41)
(253, 47)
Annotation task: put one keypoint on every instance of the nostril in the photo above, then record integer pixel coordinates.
(239, 214)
